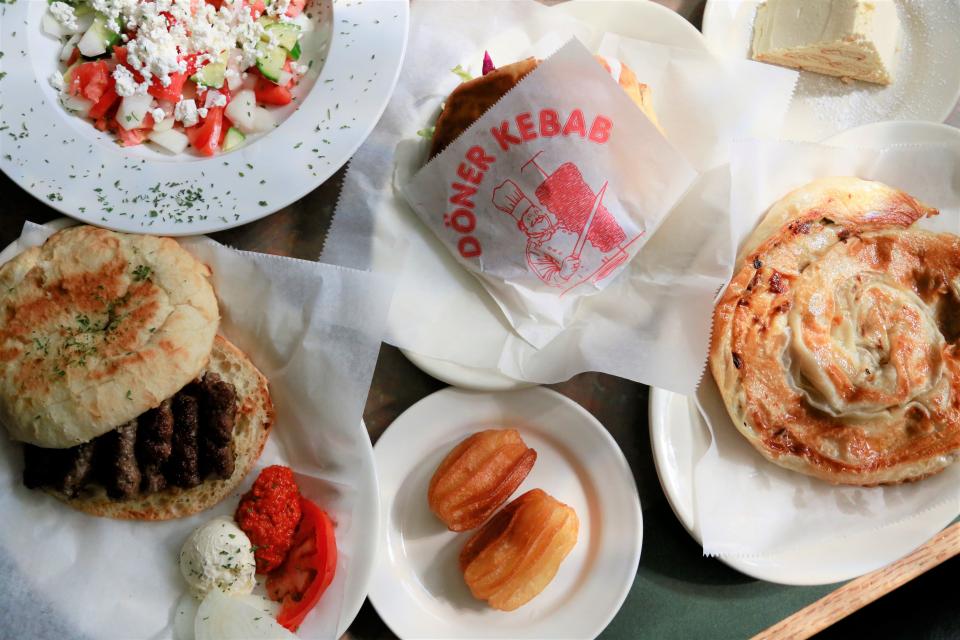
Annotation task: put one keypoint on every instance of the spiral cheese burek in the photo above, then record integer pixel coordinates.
(835, 344)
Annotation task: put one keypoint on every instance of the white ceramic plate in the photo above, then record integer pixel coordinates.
(639, 19)
(926, 83)
(365, 523)
(65, 162)
(417, 586)
(680, 438)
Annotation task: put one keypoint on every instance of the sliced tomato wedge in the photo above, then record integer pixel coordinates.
(205, 137)
(304, 576)
(107, 100)
(269, 93)
(90, 80)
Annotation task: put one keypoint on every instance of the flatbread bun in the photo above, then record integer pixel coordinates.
(255, 418)
(97, 327)
(473, 98)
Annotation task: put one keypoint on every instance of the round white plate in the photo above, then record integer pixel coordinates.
(365, 520)
(417, 586)
(639, 19)
(62, 160)
(926, 84)
(680, 438)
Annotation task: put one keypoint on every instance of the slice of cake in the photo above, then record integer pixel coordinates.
(845, 38)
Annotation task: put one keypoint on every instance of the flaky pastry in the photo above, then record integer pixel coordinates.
(835, 345)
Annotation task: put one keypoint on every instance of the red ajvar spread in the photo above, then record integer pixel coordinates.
(269, 514)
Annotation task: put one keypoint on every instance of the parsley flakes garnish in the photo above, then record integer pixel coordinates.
(141, 273)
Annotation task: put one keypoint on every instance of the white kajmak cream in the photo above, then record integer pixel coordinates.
(846, 38)
(218, 555)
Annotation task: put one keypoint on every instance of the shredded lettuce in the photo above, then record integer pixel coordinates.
(463, 73)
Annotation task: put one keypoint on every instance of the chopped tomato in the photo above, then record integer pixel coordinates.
(257, 7)
(132, 137)
(108, 99)
(295, 7)
(308, 569)
(90, 80)
(205, 137)
(171, 92)
(270, 93)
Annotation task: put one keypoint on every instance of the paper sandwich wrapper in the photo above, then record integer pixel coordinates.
(651, 322)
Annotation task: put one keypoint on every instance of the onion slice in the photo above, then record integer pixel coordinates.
(222, 617)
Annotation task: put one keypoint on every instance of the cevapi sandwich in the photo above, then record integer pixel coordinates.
(473, 98)
(113, 376)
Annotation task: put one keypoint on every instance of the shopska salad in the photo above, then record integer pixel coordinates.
(178, 73)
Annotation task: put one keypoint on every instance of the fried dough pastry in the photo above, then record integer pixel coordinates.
(478, 476)
(513, 557)
(835, 345)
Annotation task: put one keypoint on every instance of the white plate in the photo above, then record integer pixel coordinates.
(679, 439)
(417, 586)
(926, 83)
(639, 19)
(365, 522)
(65, 162)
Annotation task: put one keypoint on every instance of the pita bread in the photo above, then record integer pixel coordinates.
(834, 346)
(97, 327)
(254, 420)
(473, 98)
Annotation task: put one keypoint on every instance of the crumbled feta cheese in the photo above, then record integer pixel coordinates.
(202, 112)
(214, 99)
(64, 14)
(298, 68)
(56, 80)
(126, 84)
(186, 112)
(159, 115)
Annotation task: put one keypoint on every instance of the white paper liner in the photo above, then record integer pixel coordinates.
(652, 323)
(314, 330)
(745, 505)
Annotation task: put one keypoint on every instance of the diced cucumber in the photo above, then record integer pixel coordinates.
(263, 120)
(133, 110)
(212, 75)
(283, 34)
(164, 125)
(234, 139)
(52, 26)
(295, 52)
(241, 109)
(270, 60)
(171, 140)
(75, 104)
(98, 38)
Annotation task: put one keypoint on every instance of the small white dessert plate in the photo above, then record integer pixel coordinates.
(679, 439)
(926, 78)
(63, 161)
(639, 19)
(417, 587)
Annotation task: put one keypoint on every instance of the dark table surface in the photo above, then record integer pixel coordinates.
(677, 592)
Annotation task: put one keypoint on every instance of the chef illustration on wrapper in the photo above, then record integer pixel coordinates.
(572, 238)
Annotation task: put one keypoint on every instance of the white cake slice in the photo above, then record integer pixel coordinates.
(845, 38)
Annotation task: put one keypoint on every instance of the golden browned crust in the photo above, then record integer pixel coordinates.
(478, 476)
(834, 346)
(254, 421)
(515, 555)
(473, 98)
(97, 327)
